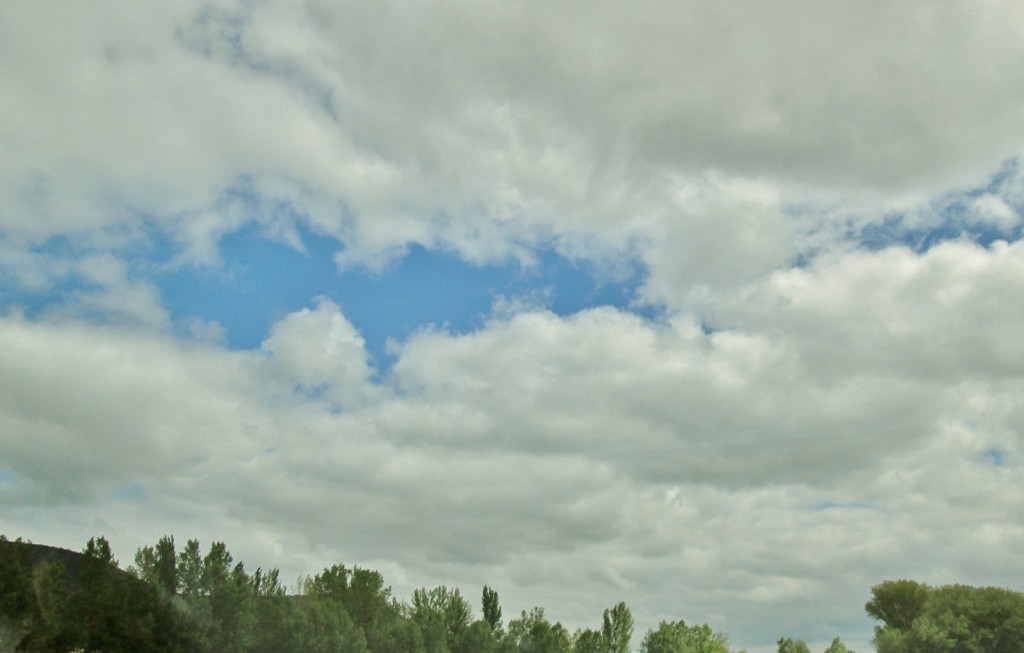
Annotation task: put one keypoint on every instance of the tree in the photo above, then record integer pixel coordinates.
(367, 598)
(280, 625)
(677, 637)
(216, 569)
(165, 565)
(330, 583)
(478, 638)
(533, 633)
(190, 569)
(588, 641)
(950, 619)
(98, 548)
(16, 598)
(145, 564)
(55, 627)
(789, 645)
(442, 615)
(491, 609)
(224, 607)
(617, 628)
(837, 646)
(327, 628)
(897, 603)
(989, 619)
(396, 633)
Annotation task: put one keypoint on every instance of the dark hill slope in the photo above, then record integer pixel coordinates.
(53, 599)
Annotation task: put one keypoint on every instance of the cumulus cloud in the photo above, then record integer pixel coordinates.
(941, 314)
(319, 348)
(84, 408)
(825, 202)
(552, 124)
(739, 464)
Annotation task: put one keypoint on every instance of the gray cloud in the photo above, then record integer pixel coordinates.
(508, 126)
(784, 437)
(752, 472)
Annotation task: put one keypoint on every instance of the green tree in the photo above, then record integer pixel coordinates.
(226, 601)
(617, 628)
(533, 633)
(216, 569)
(98, 548)
(327, 628)
(924, 636)
(957, 618)
(145, 565)
(837, 646)
(897, 603)
(396, 633)
(189, 571)
(166, 565)
(491, 608)
(478, 638)
(789, 645)
(588, 641)
(54, 626)
(112, 614)
(368, 599)
(266, 583)
(16, 599)
(330, 583)
(989, 619)
(442, 615)
(677, 637)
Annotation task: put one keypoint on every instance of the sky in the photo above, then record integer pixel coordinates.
(712, 308)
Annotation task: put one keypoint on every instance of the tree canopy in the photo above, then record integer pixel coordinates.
(189, 600)
(917, 618)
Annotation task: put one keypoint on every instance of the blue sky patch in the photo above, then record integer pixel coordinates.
(954, 219)
(995, 456)
(261, 280)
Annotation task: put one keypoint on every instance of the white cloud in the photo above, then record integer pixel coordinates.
(86, 407)
(944, 314)
(548, 124)
(319, 348)
(569, 462)
(993, 210)
(855, 418)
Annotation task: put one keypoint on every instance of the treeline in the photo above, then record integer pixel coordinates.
(190, 601)
(916, 618)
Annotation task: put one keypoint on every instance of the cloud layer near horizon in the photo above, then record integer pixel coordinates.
(826, 204)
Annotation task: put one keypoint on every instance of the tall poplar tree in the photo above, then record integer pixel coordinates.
(617, 628)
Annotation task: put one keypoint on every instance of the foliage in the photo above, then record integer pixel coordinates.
(677, 637)
(185, 601)
(918, 619)
(491, 608)
(190, 569)
(588, 641)
(443, 616)
(82, 602)
(897, 603)
(789, 645)
(837, 646)
(533, 633)
(617, 629)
